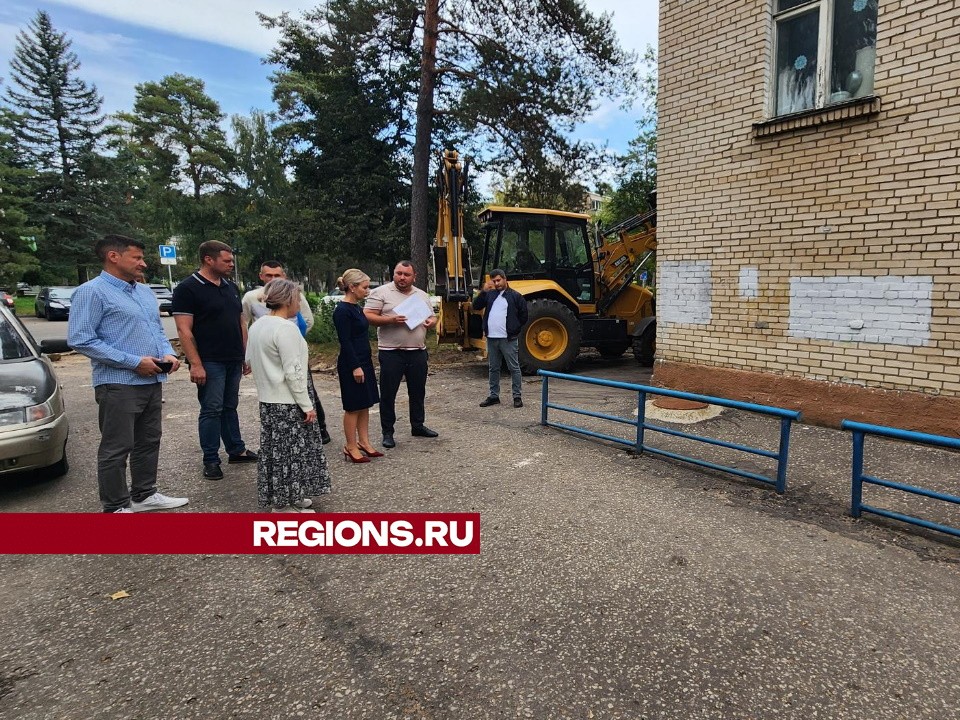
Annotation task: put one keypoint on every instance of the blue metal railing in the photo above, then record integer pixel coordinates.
(787, 417)
(860, 431)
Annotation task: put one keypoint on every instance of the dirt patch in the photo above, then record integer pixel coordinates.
(821, 403)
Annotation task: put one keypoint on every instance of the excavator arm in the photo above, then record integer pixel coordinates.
(625, 248)
(453, 278)
(451, 257)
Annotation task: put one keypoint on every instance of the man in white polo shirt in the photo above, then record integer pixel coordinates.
(505, 316)
(402, 351)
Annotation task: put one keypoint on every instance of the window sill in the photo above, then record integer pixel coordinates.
(850, 110)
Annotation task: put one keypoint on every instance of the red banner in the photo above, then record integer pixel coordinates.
(239, 534)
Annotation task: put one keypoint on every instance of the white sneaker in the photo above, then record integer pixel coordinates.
(158, 501)
(122, 510)
(305, 503)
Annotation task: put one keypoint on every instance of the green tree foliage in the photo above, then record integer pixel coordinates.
(480, 74)
(146, 208)
(342, 89)
(550, 185)
(178, 128)
(175, 132)
(56, 134)
(258, 206)
(516, 76)
(16, 257)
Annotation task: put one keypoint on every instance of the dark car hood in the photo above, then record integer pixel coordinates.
(24, 383)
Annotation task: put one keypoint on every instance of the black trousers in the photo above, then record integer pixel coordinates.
(321, 415)
(397, 365)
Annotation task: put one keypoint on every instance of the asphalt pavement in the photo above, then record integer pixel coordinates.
(608, 585)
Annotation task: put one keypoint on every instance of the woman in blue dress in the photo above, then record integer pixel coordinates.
(358, 382)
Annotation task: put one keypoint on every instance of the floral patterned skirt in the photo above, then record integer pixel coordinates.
(292, 463)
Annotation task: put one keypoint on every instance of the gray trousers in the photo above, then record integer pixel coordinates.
(508, 350)
(130, 426)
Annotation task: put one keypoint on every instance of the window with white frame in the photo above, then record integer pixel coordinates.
(825, 52)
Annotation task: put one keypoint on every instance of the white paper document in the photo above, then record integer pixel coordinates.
(415, 310)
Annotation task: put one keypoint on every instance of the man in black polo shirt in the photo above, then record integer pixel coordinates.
(207, 310)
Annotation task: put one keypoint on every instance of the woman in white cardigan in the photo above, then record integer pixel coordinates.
(292, 465)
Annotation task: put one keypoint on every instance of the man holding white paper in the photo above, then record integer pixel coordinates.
(402, 314)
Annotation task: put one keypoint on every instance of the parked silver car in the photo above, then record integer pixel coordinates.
(33, 423)
(164, 298)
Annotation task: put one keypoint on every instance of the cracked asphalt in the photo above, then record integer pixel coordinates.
(609, 585)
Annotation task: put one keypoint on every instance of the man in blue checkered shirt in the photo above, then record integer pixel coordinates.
(115, 322)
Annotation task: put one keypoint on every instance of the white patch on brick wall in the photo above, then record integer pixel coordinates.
(894, 310)
(749, 282)
(683, 292)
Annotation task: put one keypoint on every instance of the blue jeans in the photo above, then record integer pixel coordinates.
(508, 350)
(219, 398)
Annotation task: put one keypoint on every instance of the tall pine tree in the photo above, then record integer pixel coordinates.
(56, 135)
(341, 89)
(17, 236)
(175, 132)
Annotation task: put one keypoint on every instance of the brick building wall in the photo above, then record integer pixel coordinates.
(811, 261)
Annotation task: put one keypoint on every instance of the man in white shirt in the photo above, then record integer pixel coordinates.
(505, 316)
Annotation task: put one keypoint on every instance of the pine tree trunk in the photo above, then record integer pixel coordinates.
(419, 202)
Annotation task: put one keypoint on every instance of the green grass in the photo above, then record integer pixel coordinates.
(24, 305)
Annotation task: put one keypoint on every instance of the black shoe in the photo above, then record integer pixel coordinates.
(388, 441)
(423, 431)
(517, 402)
(324, 436)
(212, 471)
(247, 456)
(490, 401)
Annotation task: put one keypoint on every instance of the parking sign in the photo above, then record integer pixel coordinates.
(168, 255)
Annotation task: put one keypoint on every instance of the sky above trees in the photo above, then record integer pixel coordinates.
(122, 43)
(342, 168)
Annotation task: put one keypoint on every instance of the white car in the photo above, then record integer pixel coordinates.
(333, 298)
(164, 298)
(337, 295)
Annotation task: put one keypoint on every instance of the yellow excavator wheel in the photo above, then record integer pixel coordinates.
(550, 340)
(546, 339)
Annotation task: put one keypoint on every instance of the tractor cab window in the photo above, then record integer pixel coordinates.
(574, 268)
(522, 247)
(571, 251)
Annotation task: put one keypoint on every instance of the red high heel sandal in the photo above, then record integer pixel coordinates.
(351, 458)
(370, 453)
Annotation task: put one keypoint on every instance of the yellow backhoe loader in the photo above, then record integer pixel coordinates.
(579, 293)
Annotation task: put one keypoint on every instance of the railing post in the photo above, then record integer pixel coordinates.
(783, 455)
(641, 419)
(544, 398)
(856, 487)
